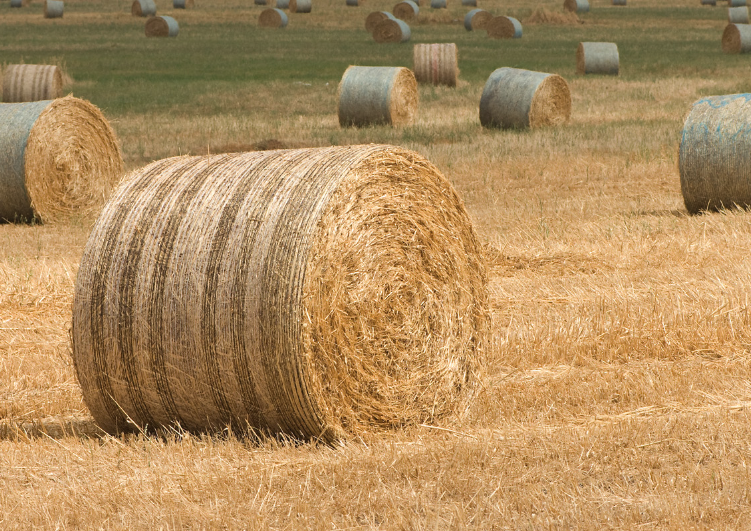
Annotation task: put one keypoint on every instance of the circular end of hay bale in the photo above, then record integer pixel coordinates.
(732, 39)
(143, 8)
(392, 31)
(477, 19)
(551, 104)
(372, 20)
(162, 26)
(436, 64)
(407, 10)
(373, 95)
(597, 58)
(273, 18)
(504, 28)
(32, 83)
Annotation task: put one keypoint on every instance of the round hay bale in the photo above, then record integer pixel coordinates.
(162, 26)
(32, 83)
(736, 3)
(515, 98)
(406, 10)
(715, 154)
(273, 18)
(53, 9)
(392, 31)
(597, 58)
(19, 3)
(576, 6)
(709, 2)
(736, 38)
(143, 8)
(738, 15)
(183, 4)
(300, 6)
(353, 3)
(374, 18)
(619, 2)
(436, 64)
(438, 4)
(504, 28)
(477, 19)
(374, 95)
(58, 159)
(259, 2)
(472, 3)
(320, 293)
(282, 4)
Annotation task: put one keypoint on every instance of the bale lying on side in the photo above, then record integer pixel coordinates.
(521, 98)
(19, 3)
(162, 26)
(373, 95)
(469, 3)
(736, 38)
(53, 9)
(715, 154)
(738, 15)
(392, 31)
(321, 293)
(597, 58)
(353, 3)
(477, 19)
(619, 2)
(259, 2)
(438, 4)
(183, 4)
(143, 8)
(282, 4)
(736, 3)
(32, 83)
(709, 2)
(406, 10)
(436, 64)
(374, 18)
(576, 6)
(504, 28)
(57, 158)
(273, 18)
(300, 6)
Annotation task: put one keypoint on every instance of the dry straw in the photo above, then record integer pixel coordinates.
(53, 9)
(738, 15)
(576, 6)
(406, 10)
(373, 95)
(477, 19)
(319, 293)
(273, 18)
(58, 159)
(374, 18)
(143, 8)
(32, 83)
(182, 4)
(504, 28)
(300, 6)
(514, 98)
(392, 31)
(436, 64)
(543, 16)
(438, 4)
(736, 38)
(162, 26)
(597, 58)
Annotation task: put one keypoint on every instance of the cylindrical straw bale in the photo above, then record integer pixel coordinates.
(406, 10)
(373, 95)
(273, 18)
(736, 38)
(472, 3)
(58, 159)
(522, 98)
(53, 9)
(715, 154)
(709, 2)
(259, 2)
(436, 64)
(143, 8)
(282, 4)
(619, 2)
(162, 26)
(32, 83)
(576, 6)
(504, 28)
(300, 6)
(477, 19)
(183, 4)
(373, 19)
(597, 58)
(738, 15)
(321, 293)
(438, 4)
(392, 31)
(19, 3)
(353, 3)
(736, 3)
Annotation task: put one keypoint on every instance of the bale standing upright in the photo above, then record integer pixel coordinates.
(377, 95)
(32, 83)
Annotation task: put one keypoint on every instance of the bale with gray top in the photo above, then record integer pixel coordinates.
(477, 19)
(19, 3)
(53, 9)
(576, 6)
(472, 3)
(619, 2)
(504, 28)
(597, 58)
(738, 15)
(32, 83)
(374, 95)
(709, 2)
(736, 38)
(162, 26)
(143, 8)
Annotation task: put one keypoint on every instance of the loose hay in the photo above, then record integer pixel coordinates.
(32, 83)
(542, 16)
(143, 8)
(182, 4)
(372, 95)
(738, 15)
(300, 6)
(736, 38)
(392, 31)
(521, 98)
(406, 10)
(273, 18)
(438, 4)
(374, 18)
(576, 6)
(436, 64)
(162, 26)
(477, 19)
(715, 154)
(320, 293)
(504, 28)
(57, 159)
(53, 9)
(597, 58)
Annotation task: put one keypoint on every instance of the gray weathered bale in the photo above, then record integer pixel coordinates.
(53, 9)
(162, 26)
(377, 95)
(597, 58)
(738, 15)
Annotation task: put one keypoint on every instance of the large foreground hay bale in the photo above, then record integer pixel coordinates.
(521, 98)
(715, 153)
(504, 28)
(372, 95)
(736, 38)
(53, 9)
(300, 6)
(406, 10)
(273, 18)
(392, 31)
(438, 4)
(738, 15)
(143, 8)
(374, 18)
(318, 293)
(183, 4)
(32, 83)
(477, 19)
(576, 6)
(162, 26)
(57, 158)
(436, 64)
(597, 58)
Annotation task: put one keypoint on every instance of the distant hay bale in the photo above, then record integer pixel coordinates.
(576, 6)
(372, 20)
(259, 2)
(377, 95)
(392, 31)
(715, 154)
(53, 9)
(469, 3)
(300, 6)
(436, 64)
(504, 28)
(162, 26)
(619, 2)
(406, 10)
(543, 16)
(709, 2)
(354, 3)
(183, 4)
(438, 4)
(736, 38)
(597, 58)
(19, 3)
(514, 98)
(282, 4)
(58, 159)
(736, 3)
(143, 8)
(738, 15)
(321, 293)
(273, 18)
(32, 83)
(477, 19)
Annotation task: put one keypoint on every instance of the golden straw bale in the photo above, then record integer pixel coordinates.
(477, 19)
(504, 28)
(32, 83)
(273, 18)
(143, 8)
(162, 26)
(407, 10)
(392, 30)
(436, 64)
(374, 18)
(543, 16)
(736, 38)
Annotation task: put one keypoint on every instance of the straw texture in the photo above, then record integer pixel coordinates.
(406, 10)
(576, 6)
(183, 4)
(514, 98)
(374, 18)
(438, 4)
(504, 28)
(392, 31)
(436, 64)
(162, 26)
(57, 158)
(31, 83)
(273, 18)
(143, 8)
(738, 15)
(736, 38)
(477, 19)
(372, 95)
(53, 9)
(715, 154)
(320, 293)
(300, 6)
(597, 58)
